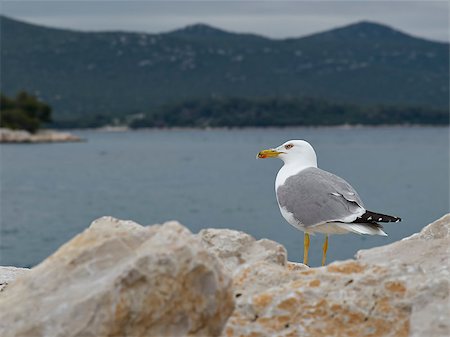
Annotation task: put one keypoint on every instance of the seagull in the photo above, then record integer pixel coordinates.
(316, 201)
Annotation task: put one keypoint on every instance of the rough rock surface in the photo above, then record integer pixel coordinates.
(254, 265)
(425, 259)
(118, 278)
(401, 289)
(44, 136)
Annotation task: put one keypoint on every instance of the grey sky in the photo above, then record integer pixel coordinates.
(278, 19)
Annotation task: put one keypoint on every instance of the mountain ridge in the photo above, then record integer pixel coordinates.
(372, 29)
(204, 26)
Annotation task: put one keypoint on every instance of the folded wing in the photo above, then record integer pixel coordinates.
(315, 197)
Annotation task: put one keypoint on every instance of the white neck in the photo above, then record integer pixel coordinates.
(291, 168)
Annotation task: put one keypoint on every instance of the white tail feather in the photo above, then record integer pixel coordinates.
(362, 229)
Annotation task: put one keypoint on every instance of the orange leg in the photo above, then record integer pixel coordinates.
(305, 249)
(325, 248)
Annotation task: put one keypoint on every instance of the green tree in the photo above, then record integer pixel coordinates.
(24, 112)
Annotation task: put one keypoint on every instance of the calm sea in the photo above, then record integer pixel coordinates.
(210, 178)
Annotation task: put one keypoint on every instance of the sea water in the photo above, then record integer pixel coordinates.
(211, 178)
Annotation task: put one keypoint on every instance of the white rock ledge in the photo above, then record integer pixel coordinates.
(43, 136)
(118, 278)
(9, 274)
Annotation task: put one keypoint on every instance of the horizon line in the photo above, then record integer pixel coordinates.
(184, 27)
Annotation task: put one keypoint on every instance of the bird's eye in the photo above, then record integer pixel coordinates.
(288, 146)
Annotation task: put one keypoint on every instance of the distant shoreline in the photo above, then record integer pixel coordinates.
(177, 128)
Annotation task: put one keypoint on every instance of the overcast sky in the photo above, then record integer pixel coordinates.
(277, 19)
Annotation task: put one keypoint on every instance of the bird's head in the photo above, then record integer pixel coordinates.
(293, 151)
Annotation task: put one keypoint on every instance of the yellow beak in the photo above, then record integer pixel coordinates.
(270, 153)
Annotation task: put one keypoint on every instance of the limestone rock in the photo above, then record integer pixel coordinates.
(424, 257)
(254, 264)
(118, 278)
(9, 274)
(121, 279)
(235, 248)
(401, 289)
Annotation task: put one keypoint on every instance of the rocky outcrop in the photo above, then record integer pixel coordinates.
(119, 278)
(401, 289)
(255, 265)
(44, 136)
(421, 263)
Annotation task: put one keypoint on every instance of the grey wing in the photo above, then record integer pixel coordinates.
(315, 196)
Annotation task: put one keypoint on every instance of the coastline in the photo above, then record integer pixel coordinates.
(234, 128)
(8, 136)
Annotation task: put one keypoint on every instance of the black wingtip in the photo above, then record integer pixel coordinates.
(372, 217)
